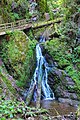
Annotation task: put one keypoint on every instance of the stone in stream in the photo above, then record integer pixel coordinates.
(69, 101)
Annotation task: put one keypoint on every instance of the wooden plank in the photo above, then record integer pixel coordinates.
(23, 24)
(41, 24)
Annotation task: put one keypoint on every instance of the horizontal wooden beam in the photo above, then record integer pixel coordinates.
(23, 24)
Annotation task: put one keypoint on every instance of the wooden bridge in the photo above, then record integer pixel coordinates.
(23, 24)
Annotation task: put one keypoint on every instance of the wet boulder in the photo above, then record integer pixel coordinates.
(8, 87)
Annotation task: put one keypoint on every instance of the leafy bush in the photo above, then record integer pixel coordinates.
(17, 110)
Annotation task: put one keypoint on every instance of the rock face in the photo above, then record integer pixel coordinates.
(8, 88)
(17, 54)
(63, 87)
(64, 77)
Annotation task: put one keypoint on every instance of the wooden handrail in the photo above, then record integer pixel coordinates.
(13, 24)
(23, 24)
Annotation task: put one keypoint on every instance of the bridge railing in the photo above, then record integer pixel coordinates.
(44, 23)
(22, 24)
(13, 25)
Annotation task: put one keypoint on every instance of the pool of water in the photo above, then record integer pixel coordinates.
(55, 108)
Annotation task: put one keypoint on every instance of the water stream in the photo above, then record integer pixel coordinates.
(47, 93)
(48, 100)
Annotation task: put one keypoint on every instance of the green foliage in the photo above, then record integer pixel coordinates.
(68, 7)
(55, 49)
(74, 75)
(67, 59)
(16, 47)
(26, 72)
(78, 112)
(43, 6)
(18, 53)
(14, 10)
(14, 109)
(8, 83)
(14, 16)
(67, 31)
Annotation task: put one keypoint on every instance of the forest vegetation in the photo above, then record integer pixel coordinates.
(18, 56)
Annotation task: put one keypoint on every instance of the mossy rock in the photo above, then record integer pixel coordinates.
(67, 60)
(18, 54)
(7, 84)
(57, 49)
(17, 46)
(1, 20)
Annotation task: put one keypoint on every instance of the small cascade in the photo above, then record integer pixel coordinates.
(48, 94)
(39, 87)
(42, 63)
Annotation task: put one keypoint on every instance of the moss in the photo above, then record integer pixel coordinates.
(18, 53)
(17, 46)
(6, 81)
(67, 59)
(0, 91)
(57, 50)
(9, 85)
(78, 112)
(63, 62)
(42, 6)
(73, 73)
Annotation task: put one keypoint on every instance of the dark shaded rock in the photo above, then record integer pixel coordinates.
(8, 87)
(63, 86)
(58, 73)
(69, 81)
(14, 5)
(60, 91)
(69, 101)
(56, 35)
(34, 18)
(51, 80)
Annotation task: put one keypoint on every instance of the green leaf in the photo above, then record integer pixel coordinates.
(19, 110)
(3, 118)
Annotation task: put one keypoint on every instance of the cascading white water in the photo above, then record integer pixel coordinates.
(47, 92)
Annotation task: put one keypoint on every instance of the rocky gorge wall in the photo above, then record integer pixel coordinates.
(16, 55)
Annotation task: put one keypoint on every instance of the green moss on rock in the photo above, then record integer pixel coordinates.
(57, 50)
(18, 53)
(7, 84)
(17, 46)
(67, 59)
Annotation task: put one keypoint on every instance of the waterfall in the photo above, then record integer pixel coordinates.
(42, 63)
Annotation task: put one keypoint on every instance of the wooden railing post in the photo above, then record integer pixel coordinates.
(12, 26)
(19, 23)
(22, 24)
(5, 27)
